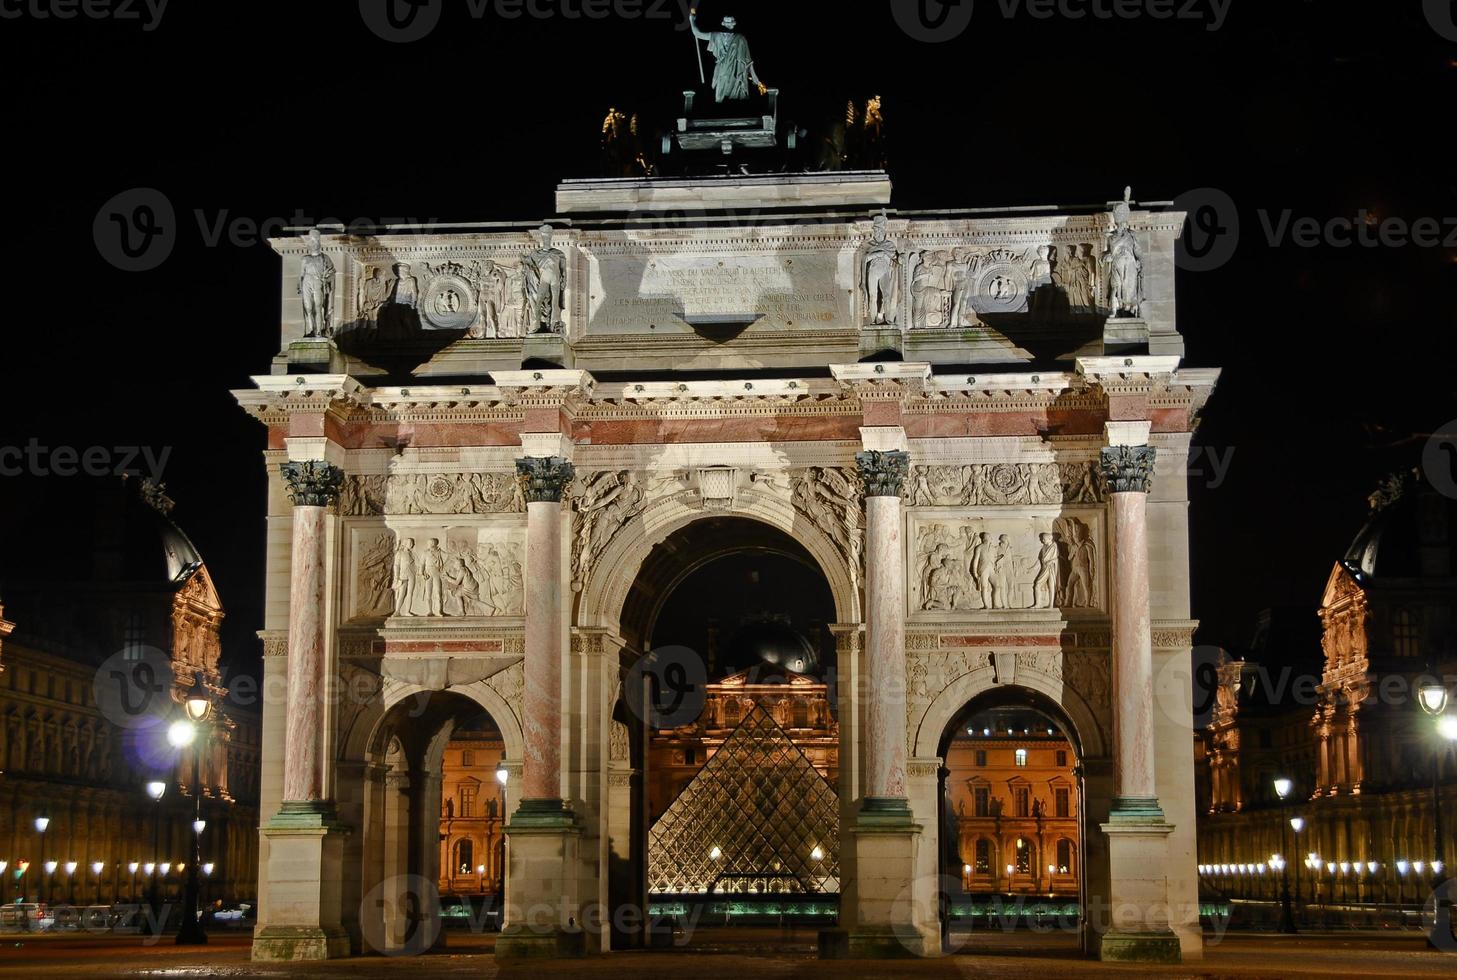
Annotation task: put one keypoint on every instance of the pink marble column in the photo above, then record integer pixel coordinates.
(885, 635)
(1128, 471)
(312, 486)
(547, 478)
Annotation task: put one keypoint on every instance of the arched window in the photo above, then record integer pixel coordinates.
(983, 858)
(1023, 856)
(465, 856)
(1064, 856)
(1022, 757)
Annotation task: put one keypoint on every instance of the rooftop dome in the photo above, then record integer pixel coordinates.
(1408, 533)
(772, 641)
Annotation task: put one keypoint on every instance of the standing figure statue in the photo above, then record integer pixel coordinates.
(733, 66)
(373, 292)
(545, 273)
(1123, 265)
(882, 284)
(316, 288)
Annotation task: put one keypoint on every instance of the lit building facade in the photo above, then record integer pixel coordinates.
(69, 749)
(1347, 730)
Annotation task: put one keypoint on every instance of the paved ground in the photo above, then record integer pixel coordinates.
(734, 954)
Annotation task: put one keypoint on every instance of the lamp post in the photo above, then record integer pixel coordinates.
(502, 777)
(198, 704)
(1287, 914)
(96, 868)
(1433, 699)
(132, 870)
(156, 789)
(41, 824)
(71, 882)
(1297, 824)
(4, 884)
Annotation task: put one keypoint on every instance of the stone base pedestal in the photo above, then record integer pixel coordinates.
(890, 919)
(549, 347)
(302, 885)
(540, 917)
(874, 340)
(1137, 929)
(319, 355)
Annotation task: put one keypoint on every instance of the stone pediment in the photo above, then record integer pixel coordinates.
(1340, 587)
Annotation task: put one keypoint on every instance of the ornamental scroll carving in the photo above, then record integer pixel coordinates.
(987, 563)
(431, 493)
(1001, 484)
(1089, 673)
(510, 684)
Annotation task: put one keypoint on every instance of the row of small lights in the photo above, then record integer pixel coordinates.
(987, 732)
(816, 853)
(1314, 863)
(98, 866)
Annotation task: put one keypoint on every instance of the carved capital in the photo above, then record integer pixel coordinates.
(312, 483)
(884, 473)
(544, 478)
(1127, 469)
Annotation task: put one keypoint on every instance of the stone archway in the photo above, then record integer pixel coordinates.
(1038, 689)
(629, 589)
(400, 805)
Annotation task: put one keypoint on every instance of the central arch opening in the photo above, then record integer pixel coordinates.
(1012, 821)
(739, 802)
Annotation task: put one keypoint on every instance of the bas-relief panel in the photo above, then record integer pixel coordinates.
(435, 571)
(966, 560)
(635, 290)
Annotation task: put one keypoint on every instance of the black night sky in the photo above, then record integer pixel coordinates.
(1334, 357)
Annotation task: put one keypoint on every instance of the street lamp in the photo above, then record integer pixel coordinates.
(41, 824)
(3, 882)
(96, 868)
(1283, 786)
(50, 868)
(197, 703)
(156, 789)
(1433, 698)
(71, 881)
(132, 870)
(1297, 824)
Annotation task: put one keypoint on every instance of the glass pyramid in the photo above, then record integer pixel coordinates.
(758, 818)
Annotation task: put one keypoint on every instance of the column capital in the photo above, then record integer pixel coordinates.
(884, 473)
(313, 482)
(546, 477)
(1127, 469)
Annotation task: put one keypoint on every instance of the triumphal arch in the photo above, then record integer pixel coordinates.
(493, 451)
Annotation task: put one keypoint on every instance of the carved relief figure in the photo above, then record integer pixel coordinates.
(432, 577)
(962, 273)
(1074, 275)
(404, 577)
(370, 297)
(882, 281)
(930, 289)
(831, 500)
(1123, 265)
(545, 272)
(374, 586)
(968, 567)
(608, 501)
(316, 288)
(404, 288)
